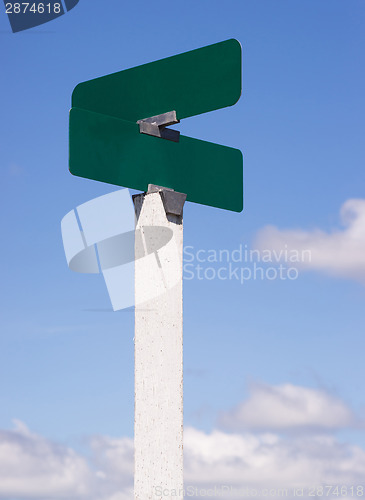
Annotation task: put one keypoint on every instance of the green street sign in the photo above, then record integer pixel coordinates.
(191, 83)
(102, 146)
(107, 144)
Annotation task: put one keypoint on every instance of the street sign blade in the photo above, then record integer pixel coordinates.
(191, 83)
(112, 150)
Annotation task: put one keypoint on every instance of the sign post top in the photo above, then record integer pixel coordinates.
(118, 125)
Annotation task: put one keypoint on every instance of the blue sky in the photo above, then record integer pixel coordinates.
(66, 361)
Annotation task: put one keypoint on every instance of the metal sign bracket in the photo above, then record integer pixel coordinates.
(156, 126)
(173, 201)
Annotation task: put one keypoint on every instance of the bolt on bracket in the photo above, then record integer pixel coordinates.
(156, 126)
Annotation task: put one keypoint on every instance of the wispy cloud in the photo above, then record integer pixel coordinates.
(338, 253)
(33, 467)
(15, 170)
(287, 407)
(270, 461)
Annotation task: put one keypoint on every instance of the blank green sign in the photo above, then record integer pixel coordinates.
(106, 145)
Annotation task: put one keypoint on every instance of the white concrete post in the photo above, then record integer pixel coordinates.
(158, 426)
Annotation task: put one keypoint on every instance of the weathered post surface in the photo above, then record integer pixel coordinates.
(158, 427)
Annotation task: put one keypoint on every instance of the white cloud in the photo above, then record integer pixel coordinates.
(270, 461)
(339, 253)
(114, 461)
(288, 407)
(31, 467)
